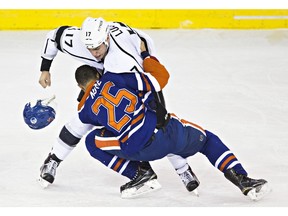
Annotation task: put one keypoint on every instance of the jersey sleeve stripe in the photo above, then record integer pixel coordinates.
(147, 84)
(87, 92)
(134, 121)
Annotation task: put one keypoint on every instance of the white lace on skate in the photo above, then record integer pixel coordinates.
(259, 192)
(147, 187)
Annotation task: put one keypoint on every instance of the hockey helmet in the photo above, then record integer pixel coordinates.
(94, 32)
(38, 116)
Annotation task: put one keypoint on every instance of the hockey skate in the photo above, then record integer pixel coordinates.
(190, 180)
(48, 170)
(255, 189)
(145, 181)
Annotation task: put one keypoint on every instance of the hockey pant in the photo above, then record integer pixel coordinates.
(182, 138)
(117, 163)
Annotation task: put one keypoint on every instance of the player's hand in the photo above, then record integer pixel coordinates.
(45, 79)
(142, 47)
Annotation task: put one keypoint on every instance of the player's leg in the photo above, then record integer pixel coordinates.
(120, 165)
(180, 163)
(142, 177)
(185, 172)
(69, 137)
(223, 159)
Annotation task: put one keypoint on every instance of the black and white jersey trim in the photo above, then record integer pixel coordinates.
(76, 56)
(125, 51)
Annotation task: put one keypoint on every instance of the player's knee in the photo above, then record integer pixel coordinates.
(211, 136)
(212, 142)
(67, 137)
(90, 139)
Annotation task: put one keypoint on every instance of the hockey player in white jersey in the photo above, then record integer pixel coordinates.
(107, 46)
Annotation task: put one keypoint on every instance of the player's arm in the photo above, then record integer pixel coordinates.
(147, 40)
(153, 79)
(152, 66)
(49, 52)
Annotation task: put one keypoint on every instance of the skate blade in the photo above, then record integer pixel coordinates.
(259, 192)
(147, 187)
(43, 183)
(195, 192)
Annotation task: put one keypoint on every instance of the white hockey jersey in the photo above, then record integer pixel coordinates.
(124, 53)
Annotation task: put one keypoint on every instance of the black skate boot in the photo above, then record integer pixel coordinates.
(190, 180)
(144, 181)
(48, 170)
(254, 188)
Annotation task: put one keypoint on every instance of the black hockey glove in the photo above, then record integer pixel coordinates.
(159, 108)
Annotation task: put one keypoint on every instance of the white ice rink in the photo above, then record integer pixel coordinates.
(231, 82)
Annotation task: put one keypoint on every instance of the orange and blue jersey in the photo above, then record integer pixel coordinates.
(120, 103)
(123, 111)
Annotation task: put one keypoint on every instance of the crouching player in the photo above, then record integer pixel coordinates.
(138, 127)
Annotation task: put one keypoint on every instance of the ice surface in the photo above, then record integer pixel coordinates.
(231, 82)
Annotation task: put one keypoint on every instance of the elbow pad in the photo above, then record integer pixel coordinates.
(157, 70)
